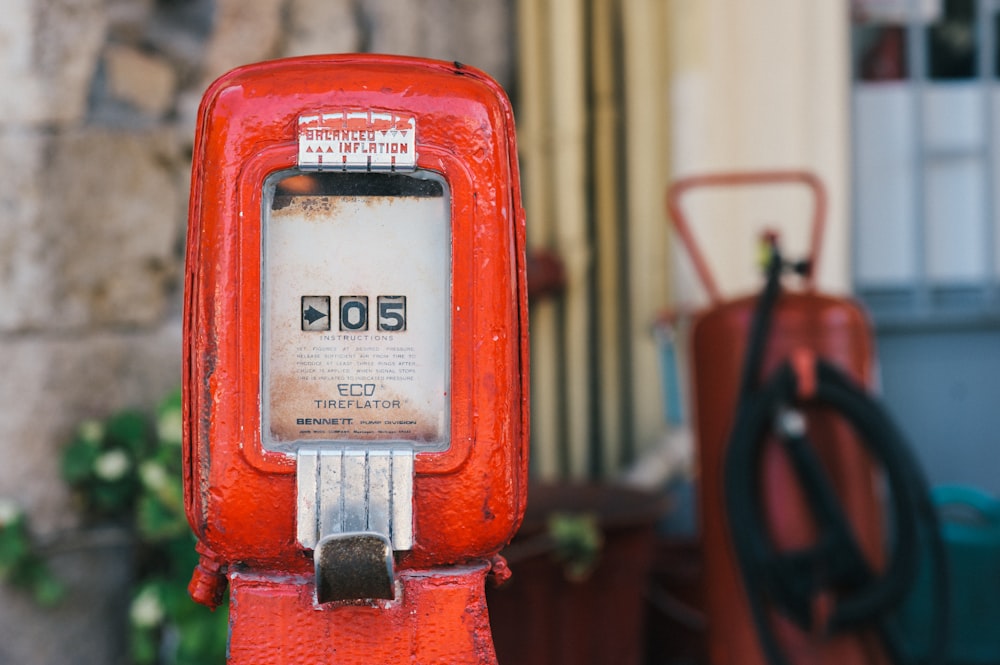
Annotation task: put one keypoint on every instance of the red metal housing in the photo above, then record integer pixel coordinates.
(240, 497)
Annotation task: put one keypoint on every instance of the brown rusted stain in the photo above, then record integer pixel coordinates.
(321, 208)
(312, 208)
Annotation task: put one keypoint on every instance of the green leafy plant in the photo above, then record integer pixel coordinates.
(127, 469)
(21, 561)
(577, 541)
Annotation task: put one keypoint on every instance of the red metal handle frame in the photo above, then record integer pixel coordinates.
(739, 178)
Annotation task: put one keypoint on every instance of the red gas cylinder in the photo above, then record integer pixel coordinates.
(834, 329)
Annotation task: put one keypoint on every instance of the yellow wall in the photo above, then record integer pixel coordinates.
(616, 99)
(762, 84)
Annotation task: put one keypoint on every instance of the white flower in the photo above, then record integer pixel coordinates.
(154, 476)
(169, 426)
(9, 511)
(112, 465)
(92, 431)
(147, 609)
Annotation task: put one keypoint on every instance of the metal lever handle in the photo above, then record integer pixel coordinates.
(353, 566)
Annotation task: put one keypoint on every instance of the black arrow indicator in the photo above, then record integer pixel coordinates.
(315, 313)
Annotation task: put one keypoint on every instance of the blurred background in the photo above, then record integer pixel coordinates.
(891, 103)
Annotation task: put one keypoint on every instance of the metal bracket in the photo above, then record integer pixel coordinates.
(355, 490)
(354, 508)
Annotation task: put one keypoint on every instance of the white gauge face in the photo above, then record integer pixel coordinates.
(356, 284)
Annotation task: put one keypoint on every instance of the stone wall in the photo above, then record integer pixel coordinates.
(96, 128)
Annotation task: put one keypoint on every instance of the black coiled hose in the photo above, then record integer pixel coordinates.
(791, 581)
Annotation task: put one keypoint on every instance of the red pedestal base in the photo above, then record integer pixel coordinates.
(439, 616)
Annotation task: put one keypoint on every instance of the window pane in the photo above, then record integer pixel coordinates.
(951, 42)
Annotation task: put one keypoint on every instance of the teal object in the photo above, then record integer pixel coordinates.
(970, 527)
(673, 409)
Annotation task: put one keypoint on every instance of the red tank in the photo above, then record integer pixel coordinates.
(834, 329)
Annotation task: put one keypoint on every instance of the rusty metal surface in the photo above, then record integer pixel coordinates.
(354, 566)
